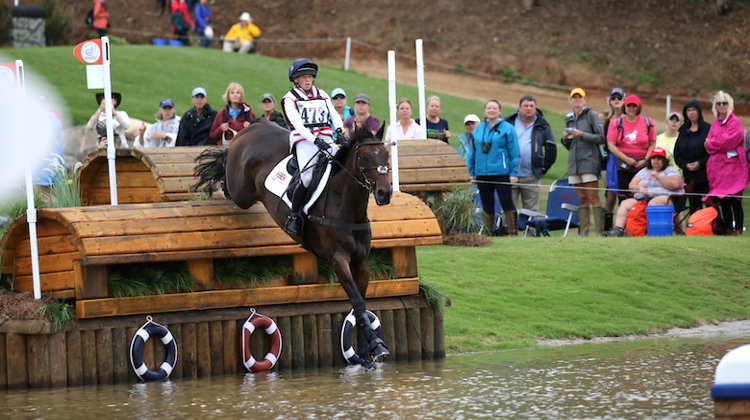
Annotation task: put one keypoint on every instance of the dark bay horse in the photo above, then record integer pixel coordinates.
(338, 229)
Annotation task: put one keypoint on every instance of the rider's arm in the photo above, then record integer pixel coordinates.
(290, 109)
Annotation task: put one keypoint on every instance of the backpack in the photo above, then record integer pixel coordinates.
(90, 18)
(649, 124)
(704, 222)
(180, 24)
(637, 224)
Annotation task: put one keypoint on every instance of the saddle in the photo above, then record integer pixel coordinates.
(285, 176)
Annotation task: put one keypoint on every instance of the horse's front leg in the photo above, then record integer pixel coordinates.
(360, 266)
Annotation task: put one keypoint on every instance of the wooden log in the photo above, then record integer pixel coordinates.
(297, 340)
(88, 357)
(427, 326)
(129, 335)
(121, 355)
(285, 358)
(74, 356)
(104, 357)
(413, 334)
(38, 360)
(58, 366)
(231, 353)
(189, 351)
(203, 342)
(311, 341)
(3, 362)
(176, 330)
(217, 344)
(404, 261)
(324, 339)
(402, 341)
(18, 374)
(389, 332)
(93, 284)
(305, 268)
(439, 335)
(337, 324)
(202, 272)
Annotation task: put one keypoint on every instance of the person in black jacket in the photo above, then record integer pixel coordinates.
(538, 152)
(690, 152)
(268, 105)
(195, 125)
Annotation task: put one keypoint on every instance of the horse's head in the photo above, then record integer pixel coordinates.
(371, 162)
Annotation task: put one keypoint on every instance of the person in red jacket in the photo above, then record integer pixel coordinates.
(101, 17)
(181, 22)
(235, 116)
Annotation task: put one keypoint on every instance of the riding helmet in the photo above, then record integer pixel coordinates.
(302, 66)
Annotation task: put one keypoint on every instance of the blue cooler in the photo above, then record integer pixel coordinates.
(659, 220)
(160, 42)
(175, 43)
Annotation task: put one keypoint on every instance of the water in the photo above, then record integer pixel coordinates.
(636, 379)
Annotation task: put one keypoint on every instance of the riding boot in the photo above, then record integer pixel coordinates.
(511, 220)
(294, 223)
(609, 221)
(598, 221)
(488, 224)
(584, 221)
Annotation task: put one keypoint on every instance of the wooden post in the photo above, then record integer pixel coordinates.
(404, 261)
(188, 351)
(337, 322)
(18, 374)
(104, 358)
(74, 356)
(298, 342)
(121, 355)
(427, 323)
(176, 330)
(231, 347)
(217, 351)
(305, 269)
(413, 334)
(285, 358)
(311, 341)
(93, 282)
(202, 272)
(58, 366)
(203, 343)
(324, 339)
(88, 356)
(401, 344)
(38, 357)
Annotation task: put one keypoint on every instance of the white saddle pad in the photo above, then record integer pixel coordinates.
(278, 181)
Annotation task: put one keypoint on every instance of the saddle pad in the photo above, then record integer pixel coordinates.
(279, 178)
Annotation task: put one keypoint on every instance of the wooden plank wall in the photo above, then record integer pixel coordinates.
(93, 352)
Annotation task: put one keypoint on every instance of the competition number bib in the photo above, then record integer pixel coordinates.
(313, 113)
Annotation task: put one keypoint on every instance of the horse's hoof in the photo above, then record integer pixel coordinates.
(368, 364)
(379, 350)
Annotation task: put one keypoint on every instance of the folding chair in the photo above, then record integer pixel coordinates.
(562, 211)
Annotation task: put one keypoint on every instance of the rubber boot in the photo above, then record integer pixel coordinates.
(609, 221)
(488, 224)
(599, 223)
(294, 223)
(584, 221)
(511, 220)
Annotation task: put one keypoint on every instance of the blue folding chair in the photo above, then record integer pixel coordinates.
(562, 211)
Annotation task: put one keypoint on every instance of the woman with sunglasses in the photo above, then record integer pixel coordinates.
(631, 138)
(727, 163)
(690, 152)
(614, 100)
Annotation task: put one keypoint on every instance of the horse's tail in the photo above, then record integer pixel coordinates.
(211, 170)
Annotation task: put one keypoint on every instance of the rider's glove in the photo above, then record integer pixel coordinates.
(322, 144)
(340, 136)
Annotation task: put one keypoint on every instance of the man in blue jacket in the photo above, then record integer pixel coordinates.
(538, 152)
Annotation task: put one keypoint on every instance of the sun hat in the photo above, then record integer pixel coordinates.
(658, 151)
(268, 96)
(632, 100)
(578, 91)
(471, 118)
(246, 16)
(362, 98)
(199, 91)
(116, 95)
(338, 91)
(166, 102)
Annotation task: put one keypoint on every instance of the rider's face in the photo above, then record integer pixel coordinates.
(305, 81)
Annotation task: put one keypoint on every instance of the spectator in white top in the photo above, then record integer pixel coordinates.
(164, 132)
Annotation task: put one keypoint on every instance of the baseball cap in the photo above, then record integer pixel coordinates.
(246, 16)
(578, 91)
(616, 91)
(471, 118)
(632, 99)
(268, 96)
(338, 91)
(675, 114)
(198, 91)
(362, 98)
(658, 151)
(166, 102)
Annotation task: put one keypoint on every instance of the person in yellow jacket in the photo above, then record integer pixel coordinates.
(241, 35)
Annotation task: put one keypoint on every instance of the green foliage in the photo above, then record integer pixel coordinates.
(251, 271)
(147, 279)
(381, 264)
(326, 270)
(65, 191)
(59, 312)
(59, 23)
(456, 212)
(651, 78)
(432, 294)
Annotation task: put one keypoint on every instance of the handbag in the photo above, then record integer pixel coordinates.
(624, 166)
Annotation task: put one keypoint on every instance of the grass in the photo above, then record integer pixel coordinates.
(519, 290)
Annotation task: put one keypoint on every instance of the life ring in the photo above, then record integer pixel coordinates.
(274, 335)
(350, 322)
(148, 330)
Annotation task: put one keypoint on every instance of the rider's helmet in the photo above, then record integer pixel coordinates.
(302, 66)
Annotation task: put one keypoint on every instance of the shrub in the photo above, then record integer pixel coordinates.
(58, 27)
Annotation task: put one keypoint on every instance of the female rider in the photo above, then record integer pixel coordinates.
(307, 110)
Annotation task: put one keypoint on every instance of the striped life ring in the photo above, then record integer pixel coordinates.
(274, 335)
(148, 330)
(350, 321)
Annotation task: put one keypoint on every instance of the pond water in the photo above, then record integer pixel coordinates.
(665, 378)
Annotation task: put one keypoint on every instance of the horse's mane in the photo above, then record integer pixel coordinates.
(359, 135)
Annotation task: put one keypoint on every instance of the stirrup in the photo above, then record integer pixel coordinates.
(293, 225)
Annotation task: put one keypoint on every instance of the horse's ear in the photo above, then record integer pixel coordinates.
(380, 132)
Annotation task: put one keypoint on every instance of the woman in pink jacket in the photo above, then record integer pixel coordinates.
(727, 162)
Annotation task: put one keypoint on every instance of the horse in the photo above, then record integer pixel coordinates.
(336, 226)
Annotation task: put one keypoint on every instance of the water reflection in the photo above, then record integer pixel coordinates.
(647, 378)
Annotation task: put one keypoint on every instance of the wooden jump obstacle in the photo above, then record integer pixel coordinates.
(154, 175)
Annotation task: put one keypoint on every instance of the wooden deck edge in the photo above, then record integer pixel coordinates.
(213, 299)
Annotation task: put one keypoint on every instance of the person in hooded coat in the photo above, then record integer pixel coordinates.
(690, 152)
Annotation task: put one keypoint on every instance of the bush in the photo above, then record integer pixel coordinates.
(5, 23)
(456, 212)
(59, 25)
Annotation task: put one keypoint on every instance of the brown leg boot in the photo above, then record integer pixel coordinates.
(584, 221)
(511, 220)
(488, 224)
(598, 221)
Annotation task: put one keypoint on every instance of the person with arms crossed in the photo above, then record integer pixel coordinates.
(195, 126)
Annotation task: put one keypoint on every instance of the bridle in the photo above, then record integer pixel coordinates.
(382, 170)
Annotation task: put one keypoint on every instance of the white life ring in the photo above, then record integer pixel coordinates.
(274, 335)
(148, 330)
(350, 321)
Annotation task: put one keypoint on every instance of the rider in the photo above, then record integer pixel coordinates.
(307, 110)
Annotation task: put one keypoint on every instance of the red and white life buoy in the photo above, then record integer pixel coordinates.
(274, 335)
